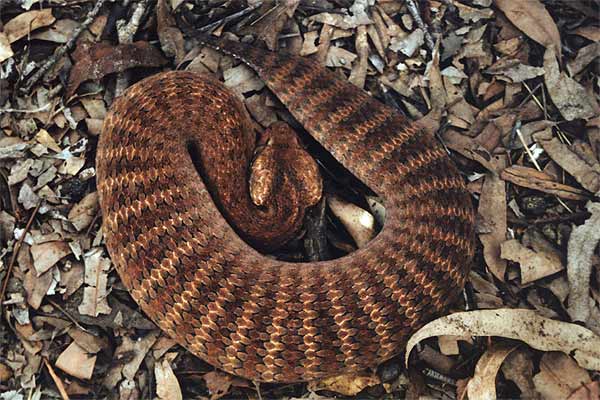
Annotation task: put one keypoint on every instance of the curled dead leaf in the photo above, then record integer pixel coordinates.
(483, 383)
(539, 332)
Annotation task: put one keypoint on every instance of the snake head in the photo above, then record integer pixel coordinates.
(283, 169)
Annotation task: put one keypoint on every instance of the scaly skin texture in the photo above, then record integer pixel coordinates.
(247, 314)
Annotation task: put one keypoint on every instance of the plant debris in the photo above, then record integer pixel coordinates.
(510, 88)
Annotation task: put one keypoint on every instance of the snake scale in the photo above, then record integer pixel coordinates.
(248, 314)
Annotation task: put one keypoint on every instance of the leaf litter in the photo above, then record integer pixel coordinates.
(510, 87)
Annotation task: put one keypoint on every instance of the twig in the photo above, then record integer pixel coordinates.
(126, 31)
(16, 110)
(413, 8)
(576, 216)
(59, 384)
(16, 252)
(69, 316)
(66, 47)
(229, 18)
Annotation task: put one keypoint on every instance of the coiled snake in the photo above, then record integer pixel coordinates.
(246, 313)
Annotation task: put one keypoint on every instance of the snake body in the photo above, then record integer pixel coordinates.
(250, 315)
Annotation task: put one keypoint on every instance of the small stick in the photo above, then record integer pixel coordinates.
(59, 384)
(229, 18)
(69, 316)
(16, 252)
(413, 8)
(66, 47)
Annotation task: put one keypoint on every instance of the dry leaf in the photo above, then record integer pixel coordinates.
(571, 99)
(359, 69)
(94, 61)
(339, 57)
(410, 44)
(534, 20)
(342, 21)
(217, 383)
(559, 376)
(133, 350)
(588, 175)
(347, 385)
(535, 264)
(590, 32)
(24, 23)
(242, 79)
(540, 333)
(44, 138)
(96, 277)
(492, 208)
(37, 287)
(167, 386)
(518, 368)
(534, 179)
(511, 70)
(582, 243)
(171, 38)
(359, 223)
(589, 391)
(272, 22)
(83, 213)
(45, 255)
(585, 56)
(59, 32)
(483, 383)
(77, 362)
(5, 49)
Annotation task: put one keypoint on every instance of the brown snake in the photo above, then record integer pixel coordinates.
(245, 313)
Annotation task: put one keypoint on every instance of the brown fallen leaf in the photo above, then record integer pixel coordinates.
(242, 79)
(566, 93)
(45, 255)
(94, 61)
(26, 22)
(37, 286)
(588, 391)
(534, 179)
(559, 376)
(167, 386)
(217, 383)
(359, 69)
(359, 223)
(492, 209)
(273, 20)
(585, 56)
(483, 383)
(83, 213)
(534, 20)
(535, 263)
(518, 368)
(96, 278)
(511, 70)
(590, 32)
(538, 332)
(44, 138)
(347, 385)
(582, 243)
(171, 38)
(132, 350)
(6, 51)
(77, 362)
(587, 175)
